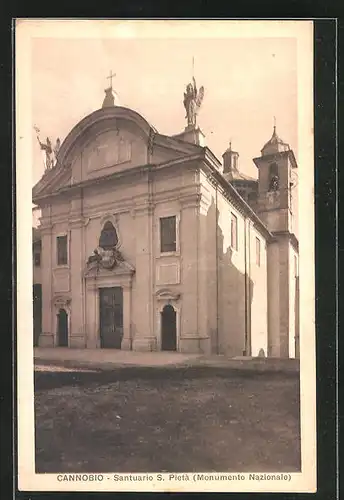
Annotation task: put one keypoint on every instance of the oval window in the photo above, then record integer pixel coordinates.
(108, 236)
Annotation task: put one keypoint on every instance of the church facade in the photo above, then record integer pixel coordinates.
(148, 242)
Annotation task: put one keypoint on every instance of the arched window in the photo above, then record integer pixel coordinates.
(108, 236)
(273, 177)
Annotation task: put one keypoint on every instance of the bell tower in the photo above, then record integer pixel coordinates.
(230, 163)
(278, 208)
(277, 186)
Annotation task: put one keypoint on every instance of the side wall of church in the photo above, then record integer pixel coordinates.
(233, 294)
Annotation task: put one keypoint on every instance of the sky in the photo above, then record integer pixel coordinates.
(247, 82)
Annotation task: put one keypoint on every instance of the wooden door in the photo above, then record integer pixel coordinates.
(168, 329)
(111, 317)
(62, 328)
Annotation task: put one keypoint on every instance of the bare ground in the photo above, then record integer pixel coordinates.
(167, 420)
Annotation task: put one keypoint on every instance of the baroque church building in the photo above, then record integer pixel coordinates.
(148, 242)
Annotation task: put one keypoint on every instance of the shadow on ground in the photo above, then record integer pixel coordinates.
(50, 379)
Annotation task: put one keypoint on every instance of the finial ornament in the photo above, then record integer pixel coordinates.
(274, 123)
(110, 78)
(192, 101)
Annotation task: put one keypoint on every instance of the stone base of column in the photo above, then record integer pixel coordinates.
(195, 345)
(145, 344)
(77, 341)
(126, 344)
(46, 340)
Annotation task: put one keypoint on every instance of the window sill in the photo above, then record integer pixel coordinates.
(175, 253)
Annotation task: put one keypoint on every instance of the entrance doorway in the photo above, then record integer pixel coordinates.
(62, 328)
(168, 329)
(111, 317)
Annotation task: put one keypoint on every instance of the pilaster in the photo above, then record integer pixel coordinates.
(47, 338)
(189, 336)
(144, 338)
(127, 341)
(77, 263)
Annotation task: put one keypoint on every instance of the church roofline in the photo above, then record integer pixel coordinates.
(99, 115)
(236, 198)
(174, 141)
(241, 177)
(213, 158)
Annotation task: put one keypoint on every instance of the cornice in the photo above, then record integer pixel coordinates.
(191, 200)
(146, 169)
(290, 236)
(275, 156)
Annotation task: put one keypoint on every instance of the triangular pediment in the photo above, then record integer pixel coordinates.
(52, 181)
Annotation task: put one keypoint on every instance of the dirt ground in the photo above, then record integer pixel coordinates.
(167, 420)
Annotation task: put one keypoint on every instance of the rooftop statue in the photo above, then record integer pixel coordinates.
(49, 152)
(192, 102)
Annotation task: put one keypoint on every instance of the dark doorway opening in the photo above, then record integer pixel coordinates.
(111, 317)
(62, 328)
(168, 329)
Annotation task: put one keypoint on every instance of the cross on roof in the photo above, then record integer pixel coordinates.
(110, 77)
